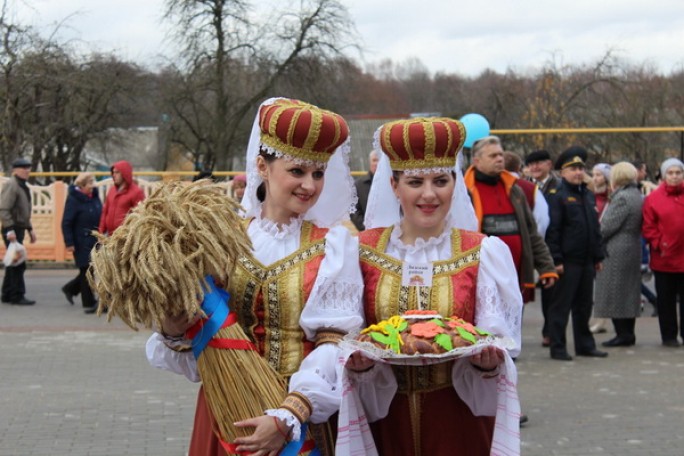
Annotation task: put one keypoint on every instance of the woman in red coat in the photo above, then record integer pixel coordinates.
(662, 229)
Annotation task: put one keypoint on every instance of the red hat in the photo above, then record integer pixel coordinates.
(301, 130)
(421, 143)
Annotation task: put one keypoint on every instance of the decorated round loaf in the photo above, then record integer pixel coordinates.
(419, 332)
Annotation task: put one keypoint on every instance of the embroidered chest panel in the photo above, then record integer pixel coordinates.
(453, 288)
(270, 299)
(453, 292)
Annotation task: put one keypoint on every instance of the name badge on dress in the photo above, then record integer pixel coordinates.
(416, 275)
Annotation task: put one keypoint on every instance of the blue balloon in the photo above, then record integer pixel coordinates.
(476, 126)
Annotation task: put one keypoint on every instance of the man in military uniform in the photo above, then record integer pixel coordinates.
(574, 239)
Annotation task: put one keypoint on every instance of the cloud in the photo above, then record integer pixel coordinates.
(446, 35)
(467, 37)
(131, 28)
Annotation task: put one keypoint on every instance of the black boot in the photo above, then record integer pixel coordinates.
(620, 341)
(624, 328)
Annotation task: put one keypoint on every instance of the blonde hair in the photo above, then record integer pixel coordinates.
(622, 174)
(83, 178)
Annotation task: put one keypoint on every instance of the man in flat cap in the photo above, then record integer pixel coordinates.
(539, 166)
(574, 239)
(15, 214)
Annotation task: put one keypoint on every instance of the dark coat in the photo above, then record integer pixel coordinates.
(573, 235)
(551, 184)
(363, 185)
(81, 217)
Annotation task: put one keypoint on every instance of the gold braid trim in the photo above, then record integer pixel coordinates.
(297, 404)
(328, 336)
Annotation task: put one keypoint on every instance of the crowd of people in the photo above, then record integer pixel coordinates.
(490, 234)
(612, 223)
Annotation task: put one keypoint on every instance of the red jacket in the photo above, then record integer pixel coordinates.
(530, 191)
(663, 228)
(119, 202)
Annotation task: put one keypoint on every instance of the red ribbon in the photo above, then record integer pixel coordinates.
(227, 344)
(232, 344)
(231, 447)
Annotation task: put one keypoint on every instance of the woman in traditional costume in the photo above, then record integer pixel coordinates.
(417, 209)
(301, 290)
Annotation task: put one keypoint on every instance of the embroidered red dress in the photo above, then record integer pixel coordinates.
(432, 411)
(270, 300)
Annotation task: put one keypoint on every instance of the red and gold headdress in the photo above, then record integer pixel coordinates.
(305, 135)
(418, 146)
(301, 131)
(421, 144)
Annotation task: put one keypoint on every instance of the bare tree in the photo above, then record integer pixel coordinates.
(53, 100)
(231, 62)
(72, 102)
(16, 40)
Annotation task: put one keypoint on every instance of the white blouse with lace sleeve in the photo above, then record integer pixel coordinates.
(335, 303)
(498, 310)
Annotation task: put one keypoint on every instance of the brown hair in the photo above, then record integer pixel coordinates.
(261, 189)
(512, 161)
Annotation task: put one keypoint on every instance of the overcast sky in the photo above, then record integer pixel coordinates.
(454, 36)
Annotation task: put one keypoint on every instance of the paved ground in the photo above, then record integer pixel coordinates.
(73, 384)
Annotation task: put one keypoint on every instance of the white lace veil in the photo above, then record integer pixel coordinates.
(383, 209)
(337, 199)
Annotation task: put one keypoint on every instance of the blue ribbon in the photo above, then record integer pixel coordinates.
(215, 306)
(293, 448)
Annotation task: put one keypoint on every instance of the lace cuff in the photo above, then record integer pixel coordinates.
(290, 421)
